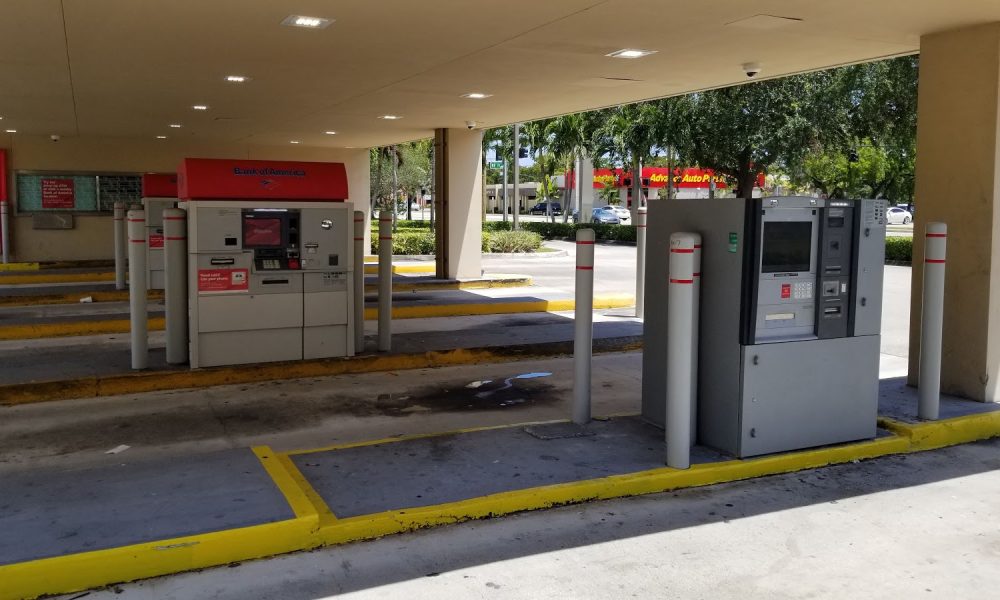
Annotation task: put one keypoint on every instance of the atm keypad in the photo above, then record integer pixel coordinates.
(271, 264)
(802, 290)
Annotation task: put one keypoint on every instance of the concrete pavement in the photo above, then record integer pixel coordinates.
(923, 525)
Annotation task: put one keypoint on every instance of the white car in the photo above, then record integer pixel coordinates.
(624, 216)
(898, 216)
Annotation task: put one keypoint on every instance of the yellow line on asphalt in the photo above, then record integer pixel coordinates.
(30, 331)
(402, 269)
(56, 278)
(19, 266)
(74, 298)
(929, 435)
(277, 468)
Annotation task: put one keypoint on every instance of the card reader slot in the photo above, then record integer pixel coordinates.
(831, 310)
(223, 261)
(275, 282)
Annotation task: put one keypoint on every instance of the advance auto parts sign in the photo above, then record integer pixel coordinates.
(223, 280)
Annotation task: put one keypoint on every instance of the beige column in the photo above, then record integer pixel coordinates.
(458, 197)
(958, 183)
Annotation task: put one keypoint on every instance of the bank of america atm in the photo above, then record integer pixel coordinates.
(269, 261)
(790, 318)
(159, 191)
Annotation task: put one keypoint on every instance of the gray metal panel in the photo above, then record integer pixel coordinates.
(325, 342)
(719, 350)
(251, 346)
(870, 268)
(275, 283)
(325, 308)
(214, 226)
(319, 246)
(249, 312)
(808, 393)
(154, 210)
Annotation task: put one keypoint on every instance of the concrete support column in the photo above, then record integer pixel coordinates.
(458, 177)
(958, 183)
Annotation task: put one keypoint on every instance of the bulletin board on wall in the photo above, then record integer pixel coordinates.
(75, 192)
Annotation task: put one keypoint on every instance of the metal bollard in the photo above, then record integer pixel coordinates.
(583, 340)
(121, 245)
(932, 321)
(640, 263)
(695, 315)
(5, 228)
(137, 287)
(175, 290)
(359, 281)
(680, 301)
(384, 281)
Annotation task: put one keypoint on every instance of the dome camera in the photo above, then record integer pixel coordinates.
(470, 124)
(751, 69)
(55, 137)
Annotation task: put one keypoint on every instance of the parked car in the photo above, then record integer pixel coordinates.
(898, 216)
(624, 216)
(540, 208)
(600, 214)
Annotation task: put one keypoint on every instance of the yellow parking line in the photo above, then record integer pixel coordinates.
(23, 266)
(56, 278)
(74, 298)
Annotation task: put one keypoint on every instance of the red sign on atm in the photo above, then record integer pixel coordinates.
(156, 240)
(223, 280)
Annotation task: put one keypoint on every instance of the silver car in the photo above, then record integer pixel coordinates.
(605, 215)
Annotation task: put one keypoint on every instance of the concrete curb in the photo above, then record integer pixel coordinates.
(33, 331)
(154, 381)
(315, 524)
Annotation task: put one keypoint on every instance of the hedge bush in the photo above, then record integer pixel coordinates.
(409, 242)
(899, 249)
(511, 241)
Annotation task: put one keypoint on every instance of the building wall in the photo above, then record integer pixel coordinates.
(92, 237)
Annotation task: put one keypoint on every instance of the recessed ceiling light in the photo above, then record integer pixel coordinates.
(200, 107)
(175, 125)
(307, 22)
(237, 78)
(11, 131)
(330, 132)
(161, 137)
(476, 95)
(391, 117)
(630, 53)
(294, 142)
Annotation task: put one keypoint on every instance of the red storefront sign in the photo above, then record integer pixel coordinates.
(159, 185)
(212, 179)
(657, 177)
(223, 280)
(58, 193)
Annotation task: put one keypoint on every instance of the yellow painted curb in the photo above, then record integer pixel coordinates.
(930, 435)
(78, 328)
(402, 269)
(74, 298)
(20, 266)
(56, 278)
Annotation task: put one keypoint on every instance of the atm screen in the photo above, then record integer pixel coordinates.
(262, 233)
(786, 247)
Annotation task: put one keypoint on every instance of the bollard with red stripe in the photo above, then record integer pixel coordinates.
(121, 249)
(137, 287)
(695, 316)
(359, 282)
(583, 340)
(932, 321)
(384, 281)
(640, 262)
(680, 330)
(175, 290)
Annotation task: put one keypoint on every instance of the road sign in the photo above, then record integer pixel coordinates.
(496, 164)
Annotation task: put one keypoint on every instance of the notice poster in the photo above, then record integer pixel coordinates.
(156, 240)
(58, 193)
(223, 280)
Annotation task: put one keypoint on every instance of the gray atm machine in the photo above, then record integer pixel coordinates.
(269, 281)
(790, 318)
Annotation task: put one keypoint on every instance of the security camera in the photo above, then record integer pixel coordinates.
(751, 69)
(54, 137)
(470, 124)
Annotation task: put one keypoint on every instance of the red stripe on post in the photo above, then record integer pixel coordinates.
(682, 281)
(682, 250)
(585, 268)
(138, 241)
(641, 226)
(937, 235)
(175, 218)
(697, 274)
(697, 246)
(137, 220)
(175, 239)
(934, 261)
(585, 243)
